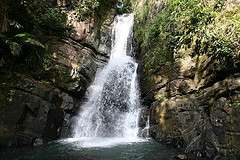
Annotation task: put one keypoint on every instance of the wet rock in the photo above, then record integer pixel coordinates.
(143, 117)
(80, 29)
(181, 157)
(30, 111)
(55, 117)
(91, 34)
(38, 142)
(29, 106)
(204, 125)
(72, 66)
(192, 97)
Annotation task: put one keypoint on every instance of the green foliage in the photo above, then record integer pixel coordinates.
(36, 16)
(86, 8)
(160, 97)
(99, 8)
(27, 13)
(235, 105)
(201, 27)
(89, 8)
(15, 48)
(53, 20)
(27, 38)
(214, 46)
(16, 42)
(23, 48)
(28, 18)
(127, 7)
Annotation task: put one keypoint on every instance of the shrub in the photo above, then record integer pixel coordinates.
(86, 9)
(23, 48)
(36, 16)
(201, 27)
(53, 20)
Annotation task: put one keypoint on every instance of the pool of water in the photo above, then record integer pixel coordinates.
(93, 149)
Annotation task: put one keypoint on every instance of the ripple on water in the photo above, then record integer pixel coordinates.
(93, 149)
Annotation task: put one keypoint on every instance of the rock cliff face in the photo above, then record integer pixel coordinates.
(37, 107)
(193, 98)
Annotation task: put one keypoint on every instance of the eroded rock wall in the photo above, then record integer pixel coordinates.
(38, 106)
(192, 98)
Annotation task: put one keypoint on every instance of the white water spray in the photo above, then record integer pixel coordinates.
(113, 106)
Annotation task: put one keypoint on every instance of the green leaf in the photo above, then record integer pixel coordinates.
(15, 48)
(23, 35)
(34, 42)
(27, 38)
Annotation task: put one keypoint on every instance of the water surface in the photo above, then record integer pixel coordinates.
(106, 149)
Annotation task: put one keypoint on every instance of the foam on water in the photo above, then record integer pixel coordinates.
(103, 142)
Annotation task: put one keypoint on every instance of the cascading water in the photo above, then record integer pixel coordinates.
(112, 106)
(107, 123)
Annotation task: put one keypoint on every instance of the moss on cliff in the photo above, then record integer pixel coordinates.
(174, 28)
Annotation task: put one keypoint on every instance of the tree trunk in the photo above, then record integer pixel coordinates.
(3, 16)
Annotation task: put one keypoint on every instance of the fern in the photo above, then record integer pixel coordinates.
(27, 39)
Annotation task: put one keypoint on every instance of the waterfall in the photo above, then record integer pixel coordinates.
(112, 107)
(145, 131)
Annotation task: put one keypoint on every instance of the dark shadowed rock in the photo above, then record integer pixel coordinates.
(31, 109)
(181, 157)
